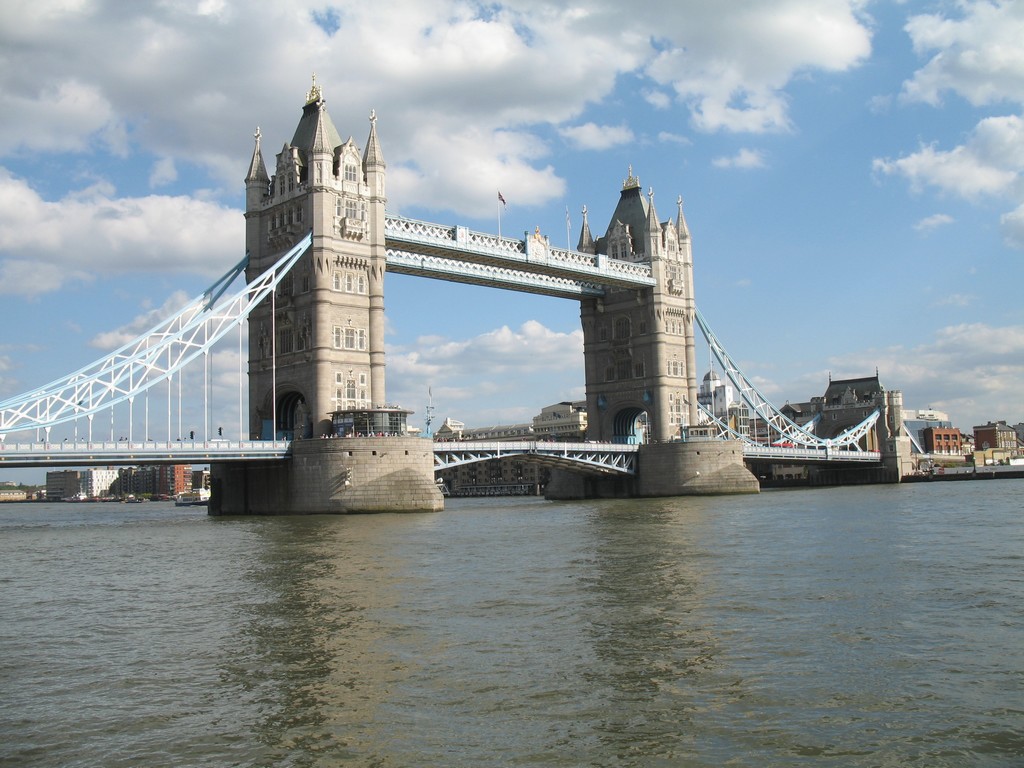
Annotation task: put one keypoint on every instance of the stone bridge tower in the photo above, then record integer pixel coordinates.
(318, 345)
(639, 344)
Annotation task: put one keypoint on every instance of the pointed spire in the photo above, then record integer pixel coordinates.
(322, 140)
(372, 156)
(652, 215)
(315, 131)
(586, 244)
(681, 227)
(257, 170)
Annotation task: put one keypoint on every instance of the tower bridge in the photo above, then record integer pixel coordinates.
(319, 242)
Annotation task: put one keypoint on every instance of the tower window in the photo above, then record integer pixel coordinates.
(350, 172)
(285, 341)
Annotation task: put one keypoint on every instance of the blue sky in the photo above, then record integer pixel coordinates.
(852, 177)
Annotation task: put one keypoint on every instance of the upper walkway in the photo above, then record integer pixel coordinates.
(530, 265)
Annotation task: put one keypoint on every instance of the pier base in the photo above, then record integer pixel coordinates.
(335, 476)
(694, 468)
(691, 468)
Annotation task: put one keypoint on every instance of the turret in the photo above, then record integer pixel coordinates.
(586, 243)
(256, 180)
(321, 150)
(653, 234)
(682, 230)
(374, 173)
(373, 160)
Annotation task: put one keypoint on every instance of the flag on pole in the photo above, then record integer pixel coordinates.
(501, 199)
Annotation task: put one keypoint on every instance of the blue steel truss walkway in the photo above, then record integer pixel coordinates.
(531, 265)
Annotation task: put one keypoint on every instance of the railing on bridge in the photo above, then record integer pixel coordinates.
(69, 453)
(803, 454)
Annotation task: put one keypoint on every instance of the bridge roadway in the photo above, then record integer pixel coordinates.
(83, 453)
(596, 458)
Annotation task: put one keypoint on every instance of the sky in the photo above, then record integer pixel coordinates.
(851, 171)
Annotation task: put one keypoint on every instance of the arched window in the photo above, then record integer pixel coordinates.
(621, 330)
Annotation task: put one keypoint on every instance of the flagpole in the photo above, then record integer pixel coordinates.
(501, 204)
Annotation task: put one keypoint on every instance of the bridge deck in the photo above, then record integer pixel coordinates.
(123, 453)
(603, 458)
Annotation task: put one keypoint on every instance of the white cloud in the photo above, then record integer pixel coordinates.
(977, 56)
(498, 377)
(990, 163)
(90, 232)
(956, 300)
(929, 223)
(592, 136)
(163, 172)
(733, 65)
(118, 337)
(745, 158)
(472, 190)
(958, 171)
(657, 99)
(982, 367)
(1013, 228)
(184, 82)
(61, 115)
(673, 138)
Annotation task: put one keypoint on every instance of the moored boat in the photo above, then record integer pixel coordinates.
(196, 498)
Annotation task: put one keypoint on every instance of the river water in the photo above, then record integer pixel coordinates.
(869, 626)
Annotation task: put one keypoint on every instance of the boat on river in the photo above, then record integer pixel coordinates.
(196, 498)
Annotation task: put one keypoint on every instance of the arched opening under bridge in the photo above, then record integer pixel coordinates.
(630, 426)
(293, 418)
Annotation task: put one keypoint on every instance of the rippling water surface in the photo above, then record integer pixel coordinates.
(877, 626)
